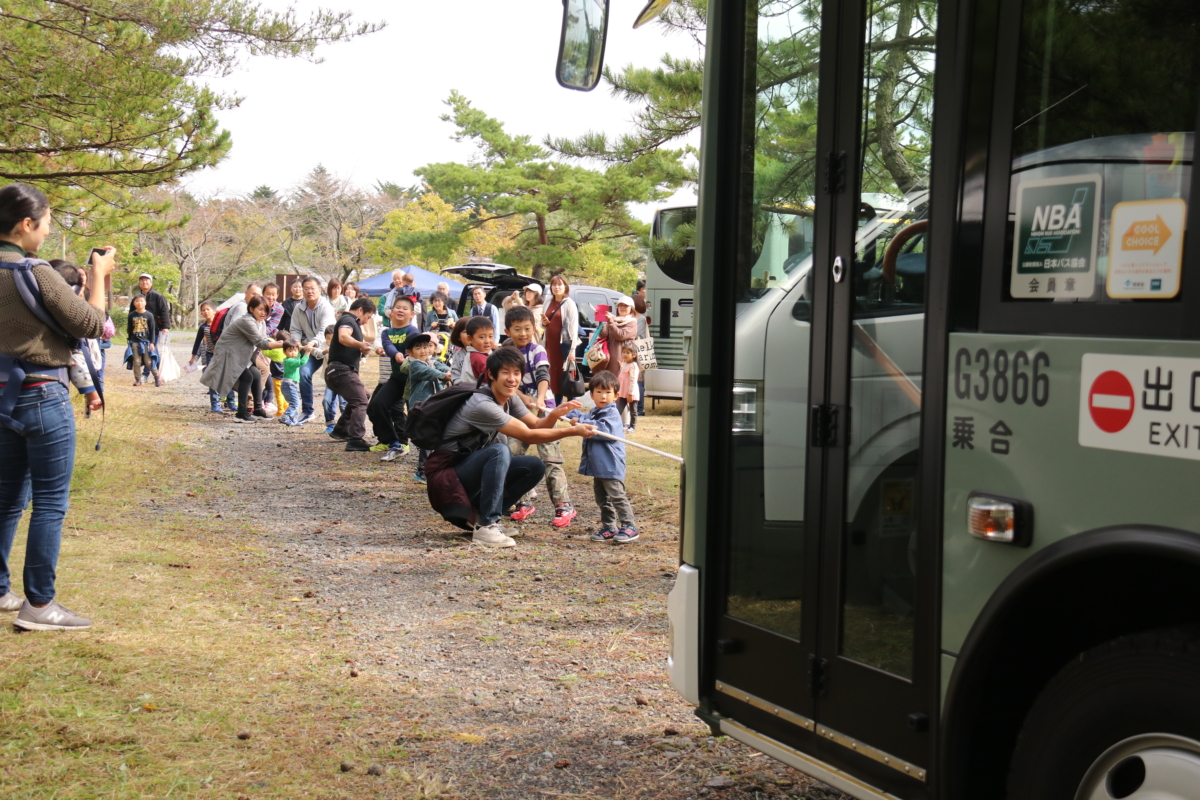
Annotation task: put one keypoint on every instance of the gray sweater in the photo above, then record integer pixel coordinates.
(314, 332)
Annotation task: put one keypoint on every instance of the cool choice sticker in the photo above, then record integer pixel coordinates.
(1140, 404)
(1146, 254)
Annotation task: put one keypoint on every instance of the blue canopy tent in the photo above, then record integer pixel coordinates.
(425, 281)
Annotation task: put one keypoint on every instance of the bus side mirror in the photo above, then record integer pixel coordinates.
(581, 48)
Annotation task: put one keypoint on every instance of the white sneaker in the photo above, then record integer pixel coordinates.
(492, 536)
(54, 617)
(11, 602)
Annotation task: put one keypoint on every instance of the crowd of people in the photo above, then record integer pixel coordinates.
(480, 395)
(421, 352)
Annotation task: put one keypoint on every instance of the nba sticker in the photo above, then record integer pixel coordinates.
(1140, 404)
(1058, 228)
(1146, 253)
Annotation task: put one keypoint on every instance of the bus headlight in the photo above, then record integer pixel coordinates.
(1000, 519)
(747, 408)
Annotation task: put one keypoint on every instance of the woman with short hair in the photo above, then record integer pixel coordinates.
(37, 421)
(233, 361)
(333, 290)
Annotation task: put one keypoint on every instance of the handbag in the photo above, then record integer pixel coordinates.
(571, 385)
(645, 353)
(596, 354)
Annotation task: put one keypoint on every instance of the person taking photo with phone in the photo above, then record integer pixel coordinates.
(37, 420)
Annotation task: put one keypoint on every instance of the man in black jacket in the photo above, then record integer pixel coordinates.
(156, 305)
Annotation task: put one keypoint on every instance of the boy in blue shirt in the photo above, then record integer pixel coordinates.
(604, 460)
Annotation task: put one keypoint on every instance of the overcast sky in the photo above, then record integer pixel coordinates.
(371, 110)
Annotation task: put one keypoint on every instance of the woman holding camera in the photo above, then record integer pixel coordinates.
(233, 360)
(37, 436)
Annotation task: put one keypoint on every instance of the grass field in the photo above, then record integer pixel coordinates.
(202, 677)
(208, 673)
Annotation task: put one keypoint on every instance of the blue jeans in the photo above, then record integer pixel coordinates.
(291, 393)
(37, 465)
(334, 404)
(641, 404)
(495, 479)
(213, 398)
(307, 370)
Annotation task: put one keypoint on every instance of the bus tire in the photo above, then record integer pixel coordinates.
(1106, 706)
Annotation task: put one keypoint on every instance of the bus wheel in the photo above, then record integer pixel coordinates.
(1119, 721)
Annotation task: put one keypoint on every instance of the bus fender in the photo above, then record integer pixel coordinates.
(1070, 596)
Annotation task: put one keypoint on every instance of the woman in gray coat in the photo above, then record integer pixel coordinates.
(233, 359)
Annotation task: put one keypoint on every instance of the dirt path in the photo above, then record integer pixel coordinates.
(537, 671)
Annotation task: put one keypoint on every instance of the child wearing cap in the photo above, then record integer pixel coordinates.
(426, 376)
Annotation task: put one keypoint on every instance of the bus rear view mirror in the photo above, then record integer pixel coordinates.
(581, 48)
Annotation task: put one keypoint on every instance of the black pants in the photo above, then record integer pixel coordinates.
(268, 391)
(623, 404)
(345, 383)
(386, 410)
(249, 386)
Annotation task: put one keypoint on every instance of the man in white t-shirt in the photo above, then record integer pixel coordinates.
(492, 476)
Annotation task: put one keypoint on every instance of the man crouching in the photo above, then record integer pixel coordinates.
(475, 446)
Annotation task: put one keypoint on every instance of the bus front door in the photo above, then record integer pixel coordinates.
(816, 644)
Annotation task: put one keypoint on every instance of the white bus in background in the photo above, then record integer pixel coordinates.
(669, 305)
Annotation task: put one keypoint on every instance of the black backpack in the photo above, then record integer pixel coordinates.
(427, 420)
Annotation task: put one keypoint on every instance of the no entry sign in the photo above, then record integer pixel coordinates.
(1110, 402)
(1140, 404)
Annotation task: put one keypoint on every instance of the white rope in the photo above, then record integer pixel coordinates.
(636, 444)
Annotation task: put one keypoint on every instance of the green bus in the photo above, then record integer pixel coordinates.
(938, 537)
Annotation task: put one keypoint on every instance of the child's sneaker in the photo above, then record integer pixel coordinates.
(626, 535)
(522, 512)
(379, 447)
(603, 535)
(419, 477)
(230, 405)
(328, 429)
(392, 454)
(563, 514)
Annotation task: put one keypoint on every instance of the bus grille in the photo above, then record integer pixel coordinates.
(669, 352)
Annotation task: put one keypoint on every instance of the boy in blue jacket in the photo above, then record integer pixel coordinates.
(604, 460)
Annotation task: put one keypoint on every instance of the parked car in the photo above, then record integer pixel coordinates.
(501, 280)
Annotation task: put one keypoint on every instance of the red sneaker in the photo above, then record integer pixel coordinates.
(563, 514)
(522, 512)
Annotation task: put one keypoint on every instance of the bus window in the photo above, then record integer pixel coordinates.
(672, 243)
(883, 463)
(772, 333)
(1106, 102)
